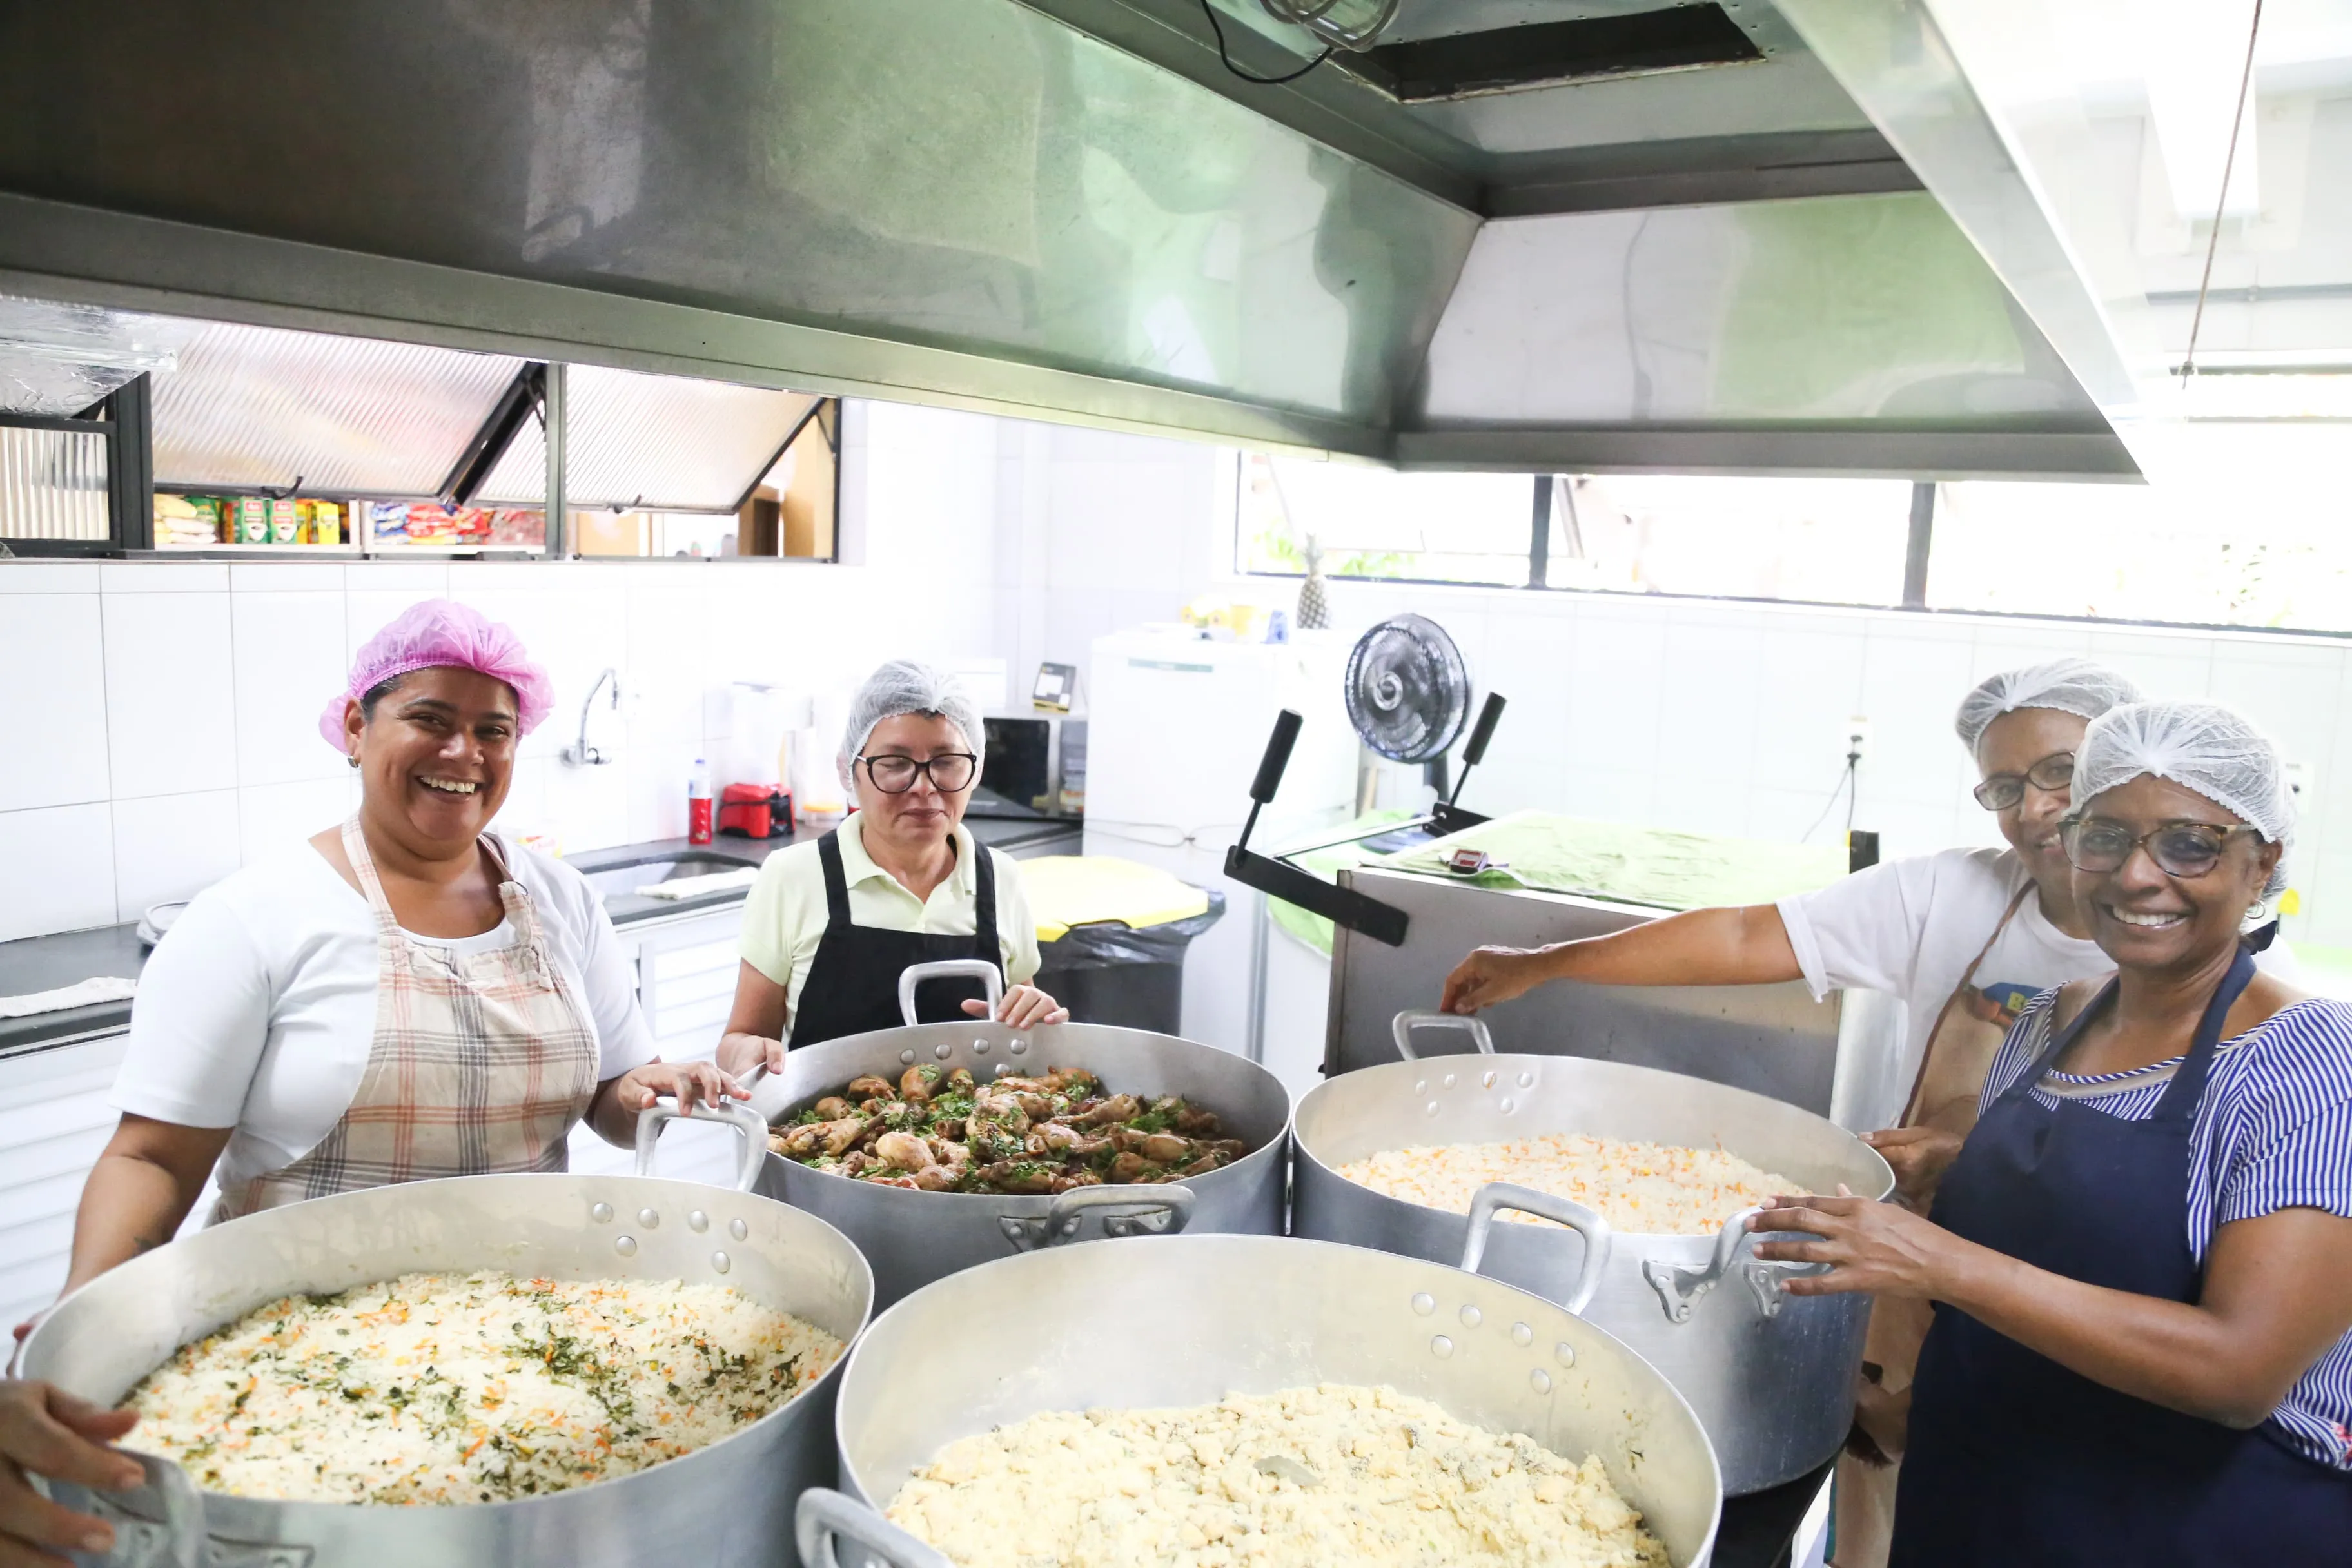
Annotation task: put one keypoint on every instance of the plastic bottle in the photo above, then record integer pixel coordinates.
(698, 804)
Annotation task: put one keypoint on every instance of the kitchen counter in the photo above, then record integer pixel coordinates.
(47, 962)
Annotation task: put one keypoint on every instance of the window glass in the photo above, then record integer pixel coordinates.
(1375, 522)
(1829, 541)
(2239, 525)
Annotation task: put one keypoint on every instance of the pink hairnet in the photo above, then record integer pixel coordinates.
(437, 634)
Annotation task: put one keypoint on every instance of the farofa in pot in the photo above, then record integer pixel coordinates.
(464, 1388)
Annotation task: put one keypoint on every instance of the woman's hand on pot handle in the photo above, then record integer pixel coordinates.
(1919, 1156)
(1492, 974)
(1882, 1248)
(46, 1431)
(690, 1083)
(1022, 1007)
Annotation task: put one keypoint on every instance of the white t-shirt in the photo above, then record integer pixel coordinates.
(257, 1009)
(1910, 928)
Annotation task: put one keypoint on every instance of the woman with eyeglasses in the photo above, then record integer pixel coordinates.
(831, 925)
(2141, 1259)
(1962, 938)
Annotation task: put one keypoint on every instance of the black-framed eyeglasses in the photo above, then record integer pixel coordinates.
(894, 774)
(2185, 849)
(2053, 772)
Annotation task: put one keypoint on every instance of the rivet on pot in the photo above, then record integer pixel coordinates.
(1421, 1086)
(696, 1221)
(1471, 1316)
(1430, 1109)
(942, 1050)
(1527, 1080)
(979, 1048)
(1449, 1081)
(649, 1218)
(1540, 1380)
(722, 1263)
(601, 1213)
(1506, 1105)
(1564, 1353)
(1487, 1082)
(1019, 1047)
(737, 1229)
(626, 1246)
(1522, 1335)
(1441, 1347)
(1424, 1303)
(907, 1057)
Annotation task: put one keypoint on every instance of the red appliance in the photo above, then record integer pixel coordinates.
(755, 811)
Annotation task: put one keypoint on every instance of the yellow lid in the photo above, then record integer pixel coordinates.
(1065, 890)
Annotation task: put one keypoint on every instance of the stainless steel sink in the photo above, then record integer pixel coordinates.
(618, 881)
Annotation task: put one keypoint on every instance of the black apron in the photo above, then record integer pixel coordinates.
(2014, 1459)
(852, 982)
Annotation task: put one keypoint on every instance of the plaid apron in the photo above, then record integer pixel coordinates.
(481, 1062)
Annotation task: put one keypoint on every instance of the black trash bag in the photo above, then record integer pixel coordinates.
(1122, 976)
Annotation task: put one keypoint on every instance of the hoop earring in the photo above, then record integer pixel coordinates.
(352, 758)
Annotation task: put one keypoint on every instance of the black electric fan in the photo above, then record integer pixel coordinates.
(1407, 695)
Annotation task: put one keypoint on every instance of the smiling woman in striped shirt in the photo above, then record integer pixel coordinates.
(2142, 1257)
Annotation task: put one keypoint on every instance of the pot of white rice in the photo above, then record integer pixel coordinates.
(1622, 1194)
(569, 1369)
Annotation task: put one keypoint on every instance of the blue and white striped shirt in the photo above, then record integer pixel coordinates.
(2272, 1131)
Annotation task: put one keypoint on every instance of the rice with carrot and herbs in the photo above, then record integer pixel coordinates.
(463, 1388)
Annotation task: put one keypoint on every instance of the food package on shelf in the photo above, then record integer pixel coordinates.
(185, 521)
(251, 520)
(322, 522)
(517, 526)
(284, 520)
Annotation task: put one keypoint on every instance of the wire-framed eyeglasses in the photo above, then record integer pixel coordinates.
(895, 773)
(2002, 791)
(2186, 850)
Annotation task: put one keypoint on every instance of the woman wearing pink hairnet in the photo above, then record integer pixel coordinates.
(405, 996)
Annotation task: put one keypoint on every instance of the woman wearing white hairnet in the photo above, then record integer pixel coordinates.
(830, 926)
(1962, 938)
(2141, 1259)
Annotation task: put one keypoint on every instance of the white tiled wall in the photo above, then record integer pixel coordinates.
(161, 717)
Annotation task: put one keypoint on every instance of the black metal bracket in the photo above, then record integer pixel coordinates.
(1340, 905)
(1281, 879)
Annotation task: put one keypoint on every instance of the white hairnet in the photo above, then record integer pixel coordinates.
(903, 686)
(2199, 746)
(2074, 685)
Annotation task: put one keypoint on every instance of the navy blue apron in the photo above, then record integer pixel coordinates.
(2013, 1458)
(852, 982)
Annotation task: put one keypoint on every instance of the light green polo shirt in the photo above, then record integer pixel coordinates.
(784, 919)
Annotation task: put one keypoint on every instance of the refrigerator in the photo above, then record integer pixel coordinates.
(1176, 728)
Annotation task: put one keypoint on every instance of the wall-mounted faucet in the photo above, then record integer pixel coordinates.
(579, 754)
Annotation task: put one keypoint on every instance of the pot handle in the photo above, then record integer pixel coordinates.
(748, 1124)
(1166, 1210)
(1679, 1289)
(1405, 1022)
(1587, 1223)
(825, 1516)
(979, 969)
(161, 1524)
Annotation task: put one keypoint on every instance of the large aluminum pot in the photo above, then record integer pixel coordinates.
(1772, 1375)
(729, 1503)
(914, 1237)
(1193, 1319)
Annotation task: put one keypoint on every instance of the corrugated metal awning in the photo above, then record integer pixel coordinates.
(257, 407)
(657, 443)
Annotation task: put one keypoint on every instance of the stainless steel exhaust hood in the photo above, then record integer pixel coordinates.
(1588, 234)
